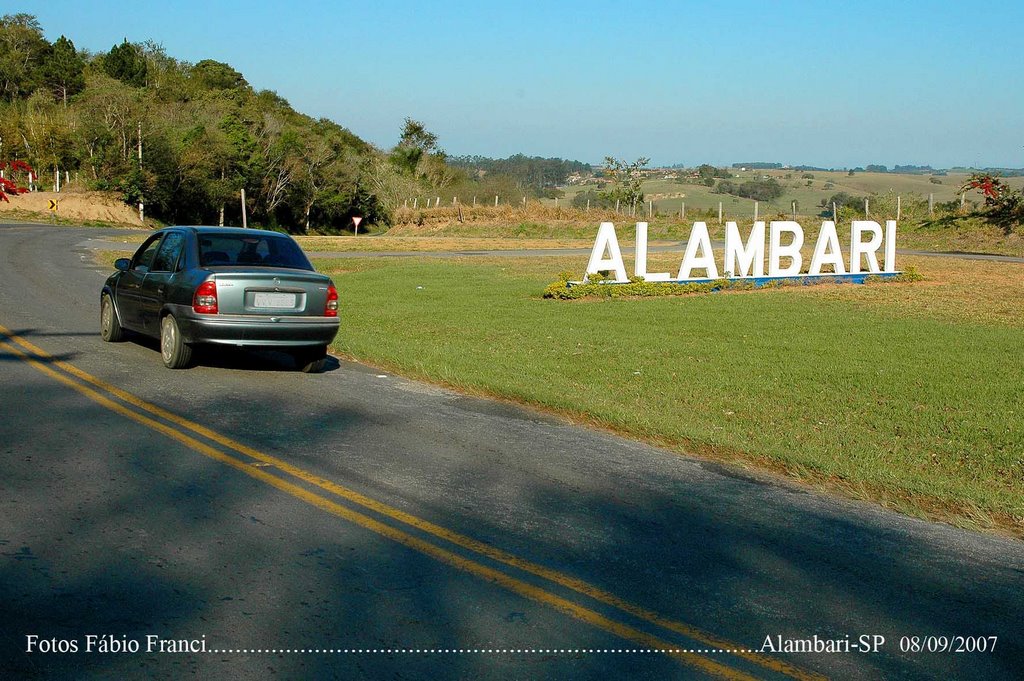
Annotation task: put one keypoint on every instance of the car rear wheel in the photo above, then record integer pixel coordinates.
(110, 327)
(175, 353)
(312, 361)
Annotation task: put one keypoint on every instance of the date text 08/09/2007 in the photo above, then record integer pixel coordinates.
(873, 643)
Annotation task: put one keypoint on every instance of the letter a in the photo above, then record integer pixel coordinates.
(606, 241)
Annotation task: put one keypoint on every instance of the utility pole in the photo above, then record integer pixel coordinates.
(142, 204)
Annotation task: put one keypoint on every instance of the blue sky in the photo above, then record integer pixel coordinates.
(791, 82)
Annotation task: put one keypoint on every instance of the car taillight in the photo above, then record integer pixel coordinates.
(205, 299)
(331, 308)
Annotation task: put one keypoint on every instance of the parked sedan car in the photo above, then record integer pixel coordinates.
(222, 286)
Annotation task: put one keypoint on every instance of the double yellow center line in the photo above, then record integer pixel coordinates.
(183, 431)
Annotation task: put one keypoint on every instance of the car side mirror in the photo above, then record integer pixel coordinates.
(122, 264)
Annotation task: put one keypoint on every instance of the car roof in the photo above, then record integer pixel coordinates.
(207, 229)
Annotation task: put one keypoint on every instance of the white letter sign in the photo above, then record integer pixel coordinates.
(740, 258)
(606, 241)
(778, 251)
(827, 251)
(699, 238)
(859, 248)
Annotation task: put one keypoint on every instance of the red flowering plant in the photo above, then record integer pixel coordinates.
(7, 184)
(1004, 206)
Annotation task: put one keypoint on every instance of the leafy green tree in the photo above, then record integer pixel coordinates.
(62, 70)
(627, 179)
(127, 63)
(215, 75)
(415, 134)
(593, 199)
(22, 51)
(415, 143)
(757, 190)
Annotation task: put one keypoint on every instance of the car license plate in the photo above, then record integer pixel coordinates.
(275, 300)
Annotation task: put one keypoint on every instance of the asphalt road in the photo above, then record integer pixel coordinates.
(360, 525)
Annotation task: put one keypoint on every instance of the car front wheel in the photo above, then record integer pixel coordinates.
(175, 353)
(110, 327)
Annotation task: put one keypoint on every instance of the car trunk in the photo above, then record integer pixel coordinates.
(270, 291)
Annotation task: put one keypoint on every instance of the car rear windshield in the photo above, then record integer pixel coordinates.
(245, 250)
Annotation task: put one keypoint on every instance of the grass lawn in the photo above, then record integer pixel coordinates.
(908, 394)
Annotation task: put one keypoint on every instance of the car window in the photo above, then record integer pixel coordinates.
(245, 250)
(144, 256)
(167, 257)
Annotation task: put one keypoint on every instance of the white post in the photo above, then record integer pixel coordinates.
(56, 173)
(588, 205)
(437, 204)
(455, 200)
(142, 206)
(415, 202)
(495, 200)
(245, 220)
(794, 210)
(899, 207)
(719, 212)
(474, 202)
(682, 210)
(835, 215)
(865, 207)
(962, 195)
(755, 211)
(931, 204)
(650, 209)
(616, 206)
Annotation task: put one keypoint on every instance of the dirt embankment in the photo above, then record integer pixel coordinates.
(77, 206)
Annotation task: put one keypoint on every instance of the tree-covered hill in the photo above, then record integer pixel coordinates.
(203, 131)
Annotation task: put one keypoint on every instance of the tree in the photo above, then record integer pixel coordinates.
(22, 49)
(758, 190)
(1004, 206)
(415, 134)
(62, 70)
(8, 187)
(415, 143)
(127, 63)
(215, 75)
(626, 178)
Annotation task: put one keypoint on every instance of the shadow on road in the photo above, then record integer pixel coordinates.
(136, 535)
(235, 358)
